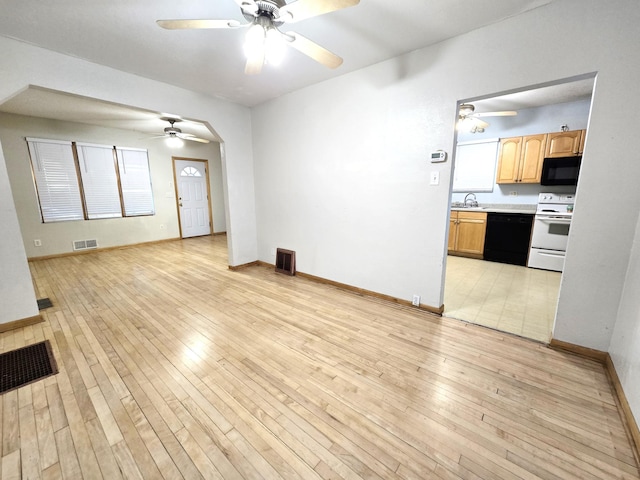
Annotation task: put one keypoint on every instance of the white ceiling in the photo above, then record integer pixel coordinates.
(43, 103)
(123, 34)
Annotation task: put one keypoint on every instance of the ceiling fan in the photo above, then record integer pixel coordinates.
(470, 121)
(174, 136)
(264, 42)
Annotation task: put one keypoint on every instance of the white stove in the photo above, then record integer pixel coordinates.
(551, 231)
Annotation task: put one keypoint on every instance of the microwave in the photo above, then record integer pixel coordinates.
(560, 170)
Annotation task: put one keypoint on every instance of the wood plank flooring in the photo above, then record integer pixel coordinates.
(172, 366)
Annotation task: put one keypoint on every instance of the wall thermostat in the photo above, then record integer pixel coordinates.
(438, 156)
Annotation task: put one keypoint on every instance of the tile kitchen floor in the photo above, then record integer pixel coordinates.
(505, 297)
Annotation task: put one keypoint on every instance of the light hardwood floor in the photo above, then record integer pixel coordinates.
(172, 366)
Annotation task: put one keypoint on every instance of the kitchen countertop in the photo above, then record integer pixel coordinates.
(497, 208)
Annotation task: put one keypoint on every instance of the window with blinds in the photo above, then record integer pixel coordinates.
(99, 181)
(136, 182)
(56, 178)
(81, 181)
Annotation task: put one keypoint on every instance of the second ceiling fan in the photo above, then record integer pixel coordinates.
(470, 121)
(264, 41)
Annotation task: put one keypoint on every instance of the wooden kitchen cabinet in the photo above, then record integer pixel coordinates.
(520, 159)
(466, 233)
(565, 144)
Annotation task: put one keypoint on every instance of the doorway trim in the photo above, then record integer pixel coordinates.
(177, 195)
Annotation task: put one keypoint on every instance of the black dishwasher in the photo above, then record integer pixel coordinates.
(507, 238)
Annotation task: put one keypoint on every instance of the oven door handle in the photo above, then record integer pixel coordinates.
(547, 254)
(563, 220)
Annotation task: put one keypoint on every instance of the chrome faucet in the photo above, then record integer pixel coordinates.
(474, 202)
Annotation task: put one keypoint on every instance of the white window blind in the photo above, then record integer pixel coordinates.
(135, 179)
(99, 181)
(475, 167)
(56, 177)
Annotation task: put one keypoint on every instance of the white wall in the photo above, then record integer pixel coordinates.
(58, 237)
(23, 65)
(342, 170)
(17, 295)
(624, 349)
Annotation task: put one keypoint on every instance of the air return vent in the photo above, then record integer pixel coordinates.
(85, 244)
(285, 261)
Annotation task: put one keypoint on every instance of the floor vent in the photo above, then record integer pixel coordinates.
(286, 261)
(26, 365)
(85, 244)
(44, 303)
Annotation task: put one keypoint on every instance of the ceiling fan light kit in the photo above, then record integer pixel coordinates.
(174, 137)
(173, 141)
(264, 42)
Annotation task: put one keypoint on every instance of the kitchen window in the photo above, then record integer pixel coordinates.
(80, 181)
(475, 166)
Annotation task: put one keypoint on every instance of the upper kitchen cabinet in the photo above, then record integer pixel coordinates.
(520, 159)
(509, 160)
(565, 144)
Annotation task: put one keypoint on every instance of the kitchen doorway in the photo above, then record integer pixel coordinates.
(512, 298)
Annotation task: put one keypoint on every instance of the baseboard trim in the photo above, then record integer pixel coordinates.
(591, 353)
(362, 291)
(235, 268)
(24, 322)
(623, 404)
(621, 398)
(101, 249)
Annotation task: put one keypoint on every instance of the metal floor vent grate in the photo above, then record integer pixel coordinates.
(44, 303)
(26, 365)
(85, 244)
(285, 261)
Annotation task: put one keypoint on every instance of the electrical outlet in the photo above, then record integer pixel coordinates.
(37, 243)
(416, 301)
(513, 194)
(162, 226)
(273, 251)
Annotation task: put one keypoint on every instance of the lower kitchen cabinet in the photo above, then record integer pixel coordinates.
(466, 233)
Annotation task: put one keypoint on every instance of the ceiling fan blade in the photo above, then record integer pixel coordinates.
(196, 139)
(301, 9)
(313, 50)
(191, 137)
(480, 123)
(196, 24)
(247, 6)
(506, 113)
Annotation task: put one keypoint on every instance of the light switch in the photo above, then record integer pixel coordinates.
(435, 178)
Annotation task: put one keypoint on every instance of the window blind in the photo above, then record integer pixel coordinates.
(56, 177)
(475, 167)
(99, 181)
(135, 179)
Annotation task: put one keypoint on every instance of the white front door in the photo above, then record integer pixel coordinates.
(193, 198)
